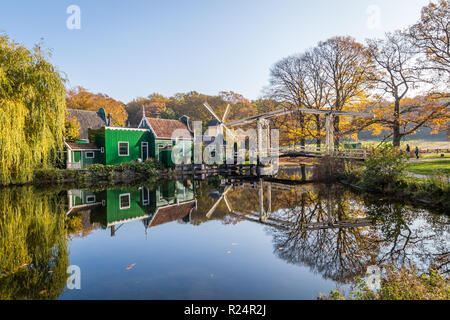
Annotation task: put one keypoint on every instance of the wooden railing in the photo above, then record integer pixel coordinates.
(322, 151)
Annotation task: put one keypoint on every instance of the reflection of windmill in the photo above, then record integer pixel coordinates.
(224, 197)
(221, 122)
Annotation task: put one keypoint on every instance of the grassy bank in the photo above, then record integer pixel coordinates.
(405, 283)
(429, 167)
(386, 173)
(100, 174)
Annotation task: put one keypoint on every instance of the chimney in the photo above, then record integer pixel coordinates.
(109, 119)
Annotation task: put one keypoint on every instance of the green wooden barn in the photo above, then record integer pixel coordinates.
(162, 132)
(171, 201)
(154, 138)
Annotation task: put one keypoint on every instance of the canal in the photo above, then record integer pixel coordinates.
(212, 239)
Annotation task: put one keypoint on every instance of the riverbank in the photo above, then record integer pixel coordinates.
(102, 174)
(386, 173)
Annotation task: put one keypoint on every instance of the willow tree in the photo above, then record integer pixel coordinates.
(32, 103)
(33, 237)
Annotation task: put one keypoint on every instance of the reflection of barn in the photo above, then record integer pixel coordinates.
(172, 201)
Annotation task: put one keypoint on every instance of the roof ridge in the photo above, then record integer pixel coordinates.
(164, 119)
(82, 110)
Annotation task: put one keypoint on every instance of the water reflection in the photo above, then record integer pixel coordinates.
(33, 244)
(155, 205)
(333, 232)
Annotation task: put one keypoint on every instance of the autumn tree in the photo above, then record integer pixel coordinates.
(154, 105)
(396, 75)
(31, 112)
(347, 70)
(80, 98)
(432, 36)
(72, 129)
(240, 107)
(334, 75)
(286, 79)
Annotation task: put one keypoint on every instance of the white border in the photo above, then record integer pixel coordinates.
(90, 196)
(120, 201)
(93, 154)
(128, 149)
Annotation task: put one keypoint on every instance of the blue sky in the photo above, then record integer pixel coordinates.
(132, 48)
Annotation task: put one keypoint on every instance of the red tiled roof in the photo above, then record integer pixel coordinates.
(172, 213)
(163, 128)
(82, 146)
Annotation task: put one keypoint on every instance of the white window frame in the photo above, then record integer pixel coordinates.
(88, 152)
(102, 149)
(145, 192)
(90, 196)
(142, 146)
(160, 198)
(128, 149)
(120, 201)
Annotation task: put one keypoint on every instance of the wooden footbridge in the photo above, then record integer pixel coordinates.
(265, 146)
(266, 216)
(318, 152)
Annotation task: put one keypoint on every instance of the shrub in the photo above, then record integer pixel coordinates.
(328, 169)
(403, 284)
(384, 168)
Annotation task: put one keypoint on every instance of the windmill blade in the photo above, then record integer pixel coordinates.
(213, 208)
(227, 111)
(228, 205)
(229, 131)
(207, 106)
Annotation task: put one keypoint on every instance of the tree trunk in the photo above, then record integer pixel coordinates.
(319, 128)
(302, 129)
(336, 132)
(396, 126)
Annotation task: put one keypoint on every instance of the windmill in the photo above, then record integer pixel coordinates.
(224, 197)
(221, 122)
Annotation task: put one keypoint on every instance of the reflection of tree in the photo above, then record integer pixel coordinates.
(33, 255)
(410, 236)
(325, 234)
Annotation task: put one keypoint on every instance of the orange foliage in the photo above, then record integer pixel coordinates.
(80, 98)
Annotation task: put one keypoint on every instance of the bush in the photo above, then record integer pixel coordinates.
(403, 284)
(328, 169)
(384, 168)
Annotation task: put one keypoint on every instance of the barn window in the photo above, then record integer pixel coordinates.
(90, 199)
(124, 200)
(123, 149)
(145, 196)
(89, 155)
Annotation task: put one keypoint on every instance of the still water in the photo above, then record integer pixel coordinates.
(213, 239)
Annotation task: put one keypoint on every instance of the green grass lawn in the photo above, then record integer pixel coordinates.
(434, 156)
(428, 167)
(422, 144)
